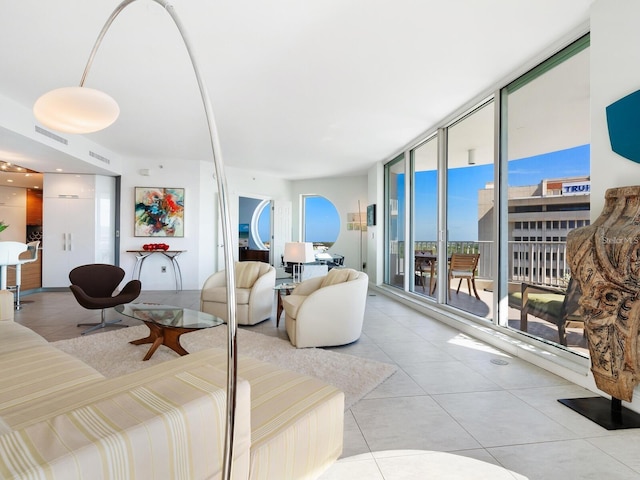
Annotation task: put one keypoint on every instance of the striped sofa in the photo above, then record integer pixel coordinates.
(61, 419)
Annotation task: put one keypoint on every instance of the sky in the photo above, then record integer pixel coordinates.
(323, 222)
(464, 183)
(322, 225)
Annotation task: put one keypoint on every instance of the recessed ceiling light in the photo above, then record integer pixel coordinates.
(58, 169)
(9, 180)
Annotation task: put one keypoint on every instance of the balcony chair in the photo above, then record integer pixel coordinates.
(255, 282)
(93, 286)
(554, 305)
(424, 265)
(463, 266)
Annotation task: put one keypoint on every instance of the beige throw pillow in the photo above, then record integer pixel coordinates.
(247, 274)
(336, 275)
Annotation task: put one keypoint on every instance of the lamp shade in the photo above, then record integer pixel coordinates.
(298, 252)
(76, 110)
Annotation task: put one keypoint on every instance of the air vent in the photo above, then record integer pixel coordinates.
(51, 135)
(97, 156)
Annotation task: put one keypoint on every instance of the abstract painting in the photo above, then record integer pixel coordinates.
(159, 212)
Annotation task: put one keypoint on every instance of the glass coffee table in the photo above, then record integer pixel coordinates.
(166, 324)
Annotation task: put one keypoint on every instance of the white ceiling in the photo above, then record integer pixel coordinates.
(299, 89)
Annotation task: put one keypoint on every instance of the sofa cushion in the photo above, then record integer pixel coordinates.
(292, 303)
(287, 407)
(247, 273)
(219, 295)
(169, 427)
(338, 275)
(17, 337)
(540, 303)
(40, 371)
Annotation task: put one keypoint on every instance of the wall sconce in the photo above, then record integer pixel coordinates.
(471, 156)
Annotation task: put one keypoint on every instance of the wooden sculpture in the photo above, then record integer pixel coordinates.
(604, 258)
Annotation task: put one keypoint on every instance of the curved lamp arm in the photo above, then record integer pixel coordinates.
(225, 218)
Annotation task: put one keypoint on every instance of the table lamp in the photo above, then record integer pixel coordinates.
(298, 253)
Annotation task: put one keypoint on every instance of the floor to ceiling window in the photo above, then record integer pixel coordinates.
(480, 224)
(470, 193)
(548, 174)
(424, 216)
(394, 194)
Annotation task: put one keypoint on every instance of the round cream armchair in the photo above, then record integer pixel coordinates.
(254, 293)
(327, 311)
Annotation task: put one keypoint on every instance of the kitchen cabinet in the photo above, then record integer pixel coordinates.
(13, 208)
(78, 224)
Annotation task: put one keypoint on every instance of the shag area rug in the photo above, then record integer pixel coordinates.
(111, 354)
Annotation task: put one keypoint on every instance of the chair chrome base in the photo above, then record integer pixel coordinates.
(102, 324)
(97, 326)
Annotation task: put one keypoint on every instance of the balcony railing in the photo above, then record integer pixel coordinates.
(534, 262)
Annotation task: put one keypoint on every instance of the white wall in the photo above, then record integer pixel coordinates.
(344, 193)
(201, 241)
(615, 73)
(375, 235)
(195, 260)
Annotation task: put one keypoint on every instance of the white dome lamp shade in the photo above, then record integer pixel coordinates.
(76, 110)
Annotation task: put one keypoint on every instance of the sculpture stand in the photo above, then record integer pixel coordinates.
(609, 414)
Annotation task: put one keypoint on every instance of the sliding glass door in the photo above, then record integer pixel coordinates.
(424, 217)
(548, 174)
(470, 212)
(394, 193)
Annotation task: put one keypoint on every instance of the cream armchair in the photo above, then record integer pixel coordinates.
(327, 311)
(254, 293)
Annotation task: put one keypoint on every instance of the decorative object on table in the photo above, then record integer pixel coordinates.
(83, 110)
(604, 259)
(155, 246)
(623, 122)
(159, 212)
(298, 253)
(3, 226)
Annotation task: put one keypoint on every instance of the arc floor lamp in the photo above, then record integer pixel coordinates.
(84, 110)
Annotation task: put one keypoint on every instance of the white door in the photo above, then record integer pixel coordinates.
(68, 238)
(281, 225)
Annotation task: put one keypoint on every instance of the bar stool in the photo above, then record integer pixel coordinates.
(32, 248)
(9, 256)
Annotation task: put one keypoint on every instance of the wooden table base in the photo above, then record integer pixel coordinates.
(161, 335)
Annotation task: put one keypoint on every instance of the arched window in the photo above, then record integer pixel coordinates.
(320, 220)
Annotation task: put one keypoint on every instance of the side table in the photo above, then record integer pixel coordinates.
(172, 255)
(282, 289)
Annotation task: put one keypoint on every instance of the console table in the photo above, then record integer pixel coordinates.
(172, 255)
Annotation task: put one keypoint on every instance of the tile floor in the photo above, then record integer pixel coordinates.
(449, 395)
